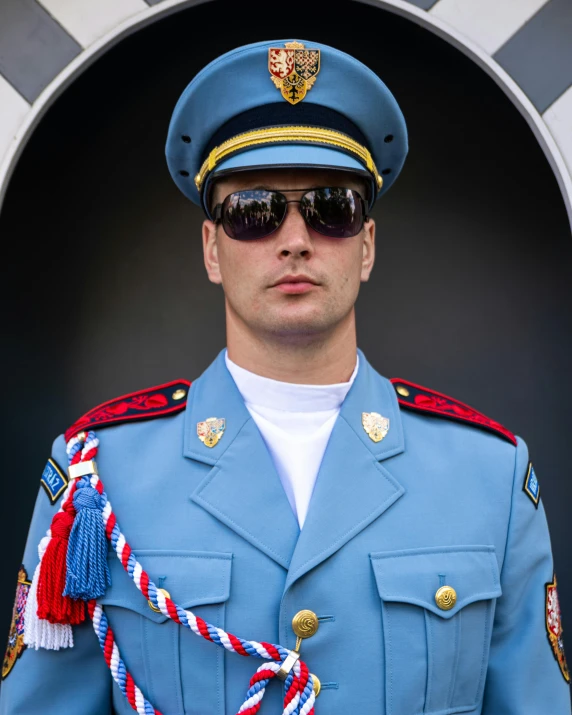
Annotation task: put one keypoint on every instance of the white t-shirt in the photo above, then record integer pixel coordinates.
(296, 422)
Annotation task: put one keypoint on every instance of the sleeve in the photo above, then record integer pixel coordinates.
(527, 672)
(74, 681)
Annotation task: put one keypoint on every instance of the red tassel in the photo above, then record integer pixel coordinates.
(53, 606)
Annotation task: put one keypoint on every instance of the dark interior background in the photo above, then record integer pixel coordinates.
(103, 288)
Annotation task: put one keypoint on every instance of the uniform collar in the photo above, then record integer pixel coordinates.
(215, 394)
(371, 392)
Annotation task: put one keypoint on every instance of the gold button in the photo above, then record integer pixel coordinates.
(446, 598)
(317, 685)
(152, 606)
(179, 394)
(403, 391)
(305, 624)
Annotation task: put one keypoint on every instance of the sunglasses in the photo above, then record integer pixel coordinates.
(257, 213)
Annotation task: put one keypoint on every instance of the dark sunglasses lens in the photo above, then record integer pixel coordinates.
(335, 212)
(252, 214)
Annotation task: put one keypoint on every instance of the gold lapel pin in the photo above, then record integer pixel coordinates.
(375, 425)
(211, 430)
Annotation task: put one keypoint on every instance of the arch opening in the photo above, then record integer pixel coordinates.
(470, 293)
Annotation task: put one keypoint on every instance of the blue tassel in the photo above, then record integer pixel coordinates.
(87, 570)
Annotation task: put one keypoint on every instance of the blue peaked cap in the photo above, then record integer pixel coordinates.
(285, 103)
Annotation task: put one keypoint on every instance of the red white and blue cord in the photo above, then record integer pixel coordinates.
(87, 575)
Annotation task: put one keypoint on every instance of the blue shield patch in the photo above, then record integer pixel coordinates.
(54, 481)
(531, 485)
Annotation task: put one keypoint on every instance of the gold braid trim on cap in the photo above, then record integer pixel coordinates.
(295, 134)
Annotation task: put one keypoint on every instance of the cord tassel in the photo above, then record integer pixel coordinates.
(37, 632)
(53, 605)
(87, 574)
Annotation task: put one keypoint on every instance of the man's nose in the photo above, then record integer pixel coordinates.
(293, 237)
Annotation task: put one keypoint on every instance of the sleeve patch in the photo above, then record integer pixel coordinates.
(531, 486)
(16, 645)
(554, 627)
(54, 481)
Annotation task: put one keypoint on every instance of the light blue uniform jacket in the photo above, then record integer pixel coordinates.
(436, 502)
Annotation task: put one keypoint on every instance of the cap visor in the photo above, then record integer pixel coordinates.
(302, 155)
(284, 156)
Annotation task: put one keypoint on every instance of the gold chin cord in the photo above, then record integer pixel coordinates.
(284, 135)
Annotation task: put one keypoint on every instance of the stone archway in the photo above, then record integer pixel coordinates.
(105, 292)
(68, 37)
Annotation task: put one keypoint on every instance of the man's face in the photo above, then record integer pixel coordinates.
(252, 272)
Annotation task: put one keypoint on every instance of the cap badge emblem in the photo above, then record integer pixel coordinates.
(293, 70)
(375, 425)
(211, 430)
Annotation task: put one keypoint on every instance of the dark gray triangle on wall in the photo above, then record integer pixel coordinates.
(423, 4)
(34, 48)
(539, 56)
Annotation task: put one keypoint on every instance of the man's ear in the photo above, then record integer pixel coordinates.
(368, 254)
(210, 252)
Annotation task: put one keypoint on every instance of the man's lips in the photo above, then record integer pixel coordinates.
(295, 284)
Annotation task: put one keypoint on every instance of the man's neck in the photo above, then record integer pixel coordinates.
(323, 359)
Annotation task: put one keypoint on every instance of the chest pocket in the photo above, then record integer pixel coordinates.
(179, 672)
(436, 659)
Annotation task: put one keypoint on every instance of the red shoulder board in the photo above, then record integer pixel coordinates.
(420, 398)
(164, 399)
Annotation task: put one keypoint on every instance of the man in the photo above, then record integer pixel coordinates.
(291, 506)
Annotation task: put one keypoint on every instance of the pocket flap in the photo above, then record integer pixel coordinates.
(192, 578)
(415, 575)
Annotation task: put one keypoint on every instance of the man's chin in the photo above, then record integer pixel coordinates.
(301, 324)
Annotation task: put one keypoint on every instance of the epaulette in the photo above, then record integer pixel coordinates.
(157, 401)
(419, 398)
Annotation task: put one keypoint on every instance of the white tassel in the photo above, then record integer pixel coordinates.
(37, 632)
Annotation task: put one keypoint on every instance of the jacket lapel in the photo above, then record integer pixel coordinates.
(243, 489)
(352, 488)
